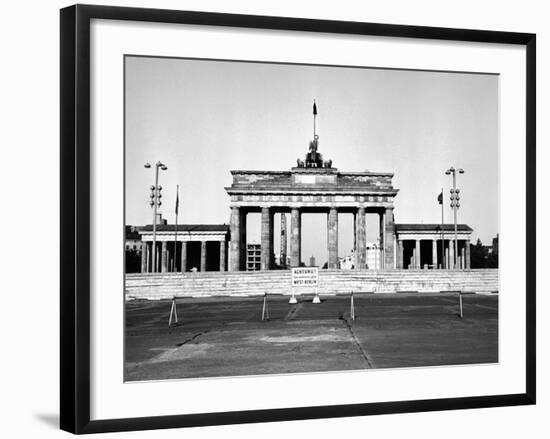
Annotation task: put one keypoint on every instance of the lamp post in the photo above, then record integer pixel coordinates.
(455, 204)
(154, 203)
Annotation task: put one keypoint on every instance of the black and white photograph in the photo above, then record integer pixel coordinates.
(275, 219)
(288, 218)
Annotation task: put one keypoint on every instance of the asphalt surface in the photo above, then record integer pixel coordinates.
(226, 337)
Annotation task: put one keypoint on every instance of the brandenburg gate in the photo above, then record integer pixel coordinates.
(313, 186)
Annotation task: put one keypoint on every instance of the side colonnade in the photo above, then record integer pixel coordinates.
(190, 248)
(422, 246)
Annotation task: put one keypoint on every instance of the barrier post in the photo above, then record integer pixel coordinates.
(265, 310)
(173, 312)
(292, 298)
(316, 298)
(352, 308)
(461, 315)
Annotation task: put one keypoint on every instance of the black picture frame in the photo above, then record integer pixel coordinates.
(75, 217)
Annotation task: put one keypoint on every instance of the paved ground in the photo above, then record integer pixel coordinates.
(226, 337)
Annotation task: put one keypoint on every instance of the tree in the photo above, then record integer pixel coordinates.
(133, 261)
(478, 255)
(492, 260)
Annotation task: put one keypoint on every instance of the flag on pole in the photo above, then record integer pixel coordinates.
(440, 198)
(314, 108)
(176, 242)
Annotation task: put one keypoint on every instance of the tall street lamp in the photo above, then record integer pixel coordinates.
(455, 204)
(155, 203)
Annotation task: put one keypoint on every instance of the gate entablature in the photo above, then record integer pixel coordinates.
(311, 187)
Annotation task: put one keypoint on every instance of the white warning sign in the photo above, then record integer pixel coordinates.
(305, 277)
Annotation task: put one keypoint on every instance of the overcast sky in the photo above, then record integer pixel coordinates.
(205, 118)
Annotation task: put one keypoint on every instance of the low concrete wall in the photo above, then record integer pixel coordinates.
(168, 285)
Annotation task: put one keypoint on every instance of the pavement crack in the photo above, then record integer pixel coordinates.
(193, 337)
(293, 311)
(362, 351)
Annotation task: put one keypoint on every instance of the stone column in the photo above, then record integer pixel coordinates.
(295, 237)
(148, 269)
(159, 257)
(183, 256)
(462, 258)
(417, 254)
(172, 256)
(467, 256)
(144, 257)
(332, 238)
(222, 255)
(399, 254)
(381, 238)
(244, 250)
(164, 257)
(203, 255)
(434, 253)
(266, 239)
(452, 261)
(284, 234)
(361, 239)
(235, 243)
(355, 263)
(389, 233)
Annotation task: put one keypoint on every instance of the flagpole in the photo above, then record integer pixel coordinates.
(314, 118)
(176, 231)
(443, 262)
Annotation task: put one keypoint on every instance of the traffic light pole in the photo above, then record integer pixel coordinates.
(155, 199)
(155, 202)
(456, 232)
(455, 204)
